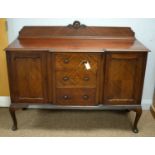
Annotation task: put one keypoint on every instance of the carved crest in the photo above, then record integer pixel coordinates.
(76, 25)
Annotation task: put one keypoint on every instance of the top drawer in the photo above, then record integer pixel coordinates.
(80, 61)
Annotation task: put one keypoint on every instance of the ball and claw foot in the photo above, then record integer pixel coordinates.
(138, 115)
(14, 128)
(135, 130)
(13, 116)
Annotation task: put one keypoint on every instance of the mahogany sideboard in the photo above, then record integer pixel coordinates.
(76, 67)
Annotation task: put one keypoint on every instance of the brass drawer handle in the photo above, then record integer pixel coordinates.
(66, 60)
(85, 97)
(86, 78)
(65, 78)
(66, 97)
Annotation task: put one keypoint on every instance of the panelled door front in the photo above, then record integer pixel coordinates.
(28, 70)
(124, 78)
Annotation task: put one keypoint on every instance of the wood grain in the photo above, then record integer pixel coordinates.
(28, 77)
(75, 96)
(47, 66)
(123, 76)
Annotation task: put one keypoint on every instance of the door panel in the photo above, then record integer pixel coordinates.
(29, 74)
(123, 78)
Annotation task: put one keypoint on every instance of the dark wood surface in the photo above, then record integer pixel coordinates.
(28, 77)
(118, 80)
(76, 38)
(76, 96)
(74, 107)
(76, 67)
(75, 31)
(76, 45)
(74, 81)
(124, 78)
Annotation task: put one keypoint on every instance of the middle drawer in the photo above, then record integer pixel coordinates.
(75, 79)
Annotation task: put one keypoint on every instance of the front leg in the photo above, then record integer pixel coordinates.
(13, 116)
(138, 115)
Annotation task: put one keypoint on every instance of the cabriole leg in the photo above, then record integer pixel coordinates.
(138, 115)
(13, 116)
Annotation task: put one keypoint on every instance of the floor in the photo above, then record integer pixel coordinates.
(34, 122)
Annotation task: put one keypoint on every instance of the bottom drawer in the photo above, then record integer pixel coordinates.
(76, 96)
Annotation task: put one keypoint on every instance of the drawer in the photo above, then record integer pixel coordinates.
(76, 79)
(76, 61)
(76, 96)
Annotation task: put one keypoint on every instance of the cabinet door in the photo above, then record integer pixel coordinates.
(28, 72)
(124, 76)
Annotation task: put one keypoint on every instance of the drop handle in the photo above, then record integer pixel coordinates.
(66, 60)
(65, 78)
(85, 97)
(86, 78)
(66, 97)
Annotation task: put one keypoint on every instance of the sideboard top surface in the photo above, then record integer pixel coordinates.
(76, 38)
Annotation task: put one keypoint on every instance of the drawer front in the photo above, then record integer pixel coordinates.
(72, 96)
(76, 79)
(74, 61)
